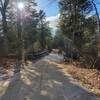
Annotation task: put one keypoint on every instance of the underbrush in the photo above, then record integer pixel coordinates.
(89, 77)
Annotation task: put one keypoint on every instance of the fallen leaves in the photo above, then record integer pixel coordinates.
(88, 77)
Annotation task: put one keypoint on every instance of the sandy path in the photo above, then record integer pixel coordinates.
(44, 80)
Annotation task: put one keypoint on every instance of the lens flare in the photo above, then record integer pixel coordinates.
(20, 5)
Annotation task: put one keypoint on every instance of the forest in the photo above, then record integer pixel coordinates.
(23, 29)
(28, 45)
(78, 33)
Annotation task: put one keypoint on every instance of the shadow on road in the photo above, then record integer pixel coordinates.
(44, 81)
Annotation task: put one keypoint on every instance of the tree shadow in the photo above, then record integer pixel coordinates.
(44, 81)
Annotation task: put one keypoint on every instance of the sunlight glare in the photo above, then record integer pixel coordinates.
(20, 5)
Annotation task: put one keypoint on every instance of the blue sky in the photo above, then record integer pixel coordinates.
(50, 8)
(52, 11)
(97, 2)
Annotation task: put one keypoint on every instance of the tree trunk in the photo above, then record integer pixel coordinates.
(4, 24)
(98, 29)
(42, 37)
(19, 41)
(98, 20)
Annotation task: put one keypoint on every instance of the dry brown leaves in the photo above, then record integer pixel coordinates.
(88, 77)
(6, 65)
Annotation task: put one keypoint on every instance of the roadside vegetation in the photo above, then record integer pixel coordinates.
(25, 34)
(78, 33)
(23, 29)
(78, 38)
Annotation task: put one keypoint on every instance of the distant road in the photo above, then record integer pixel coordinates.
(54, 57)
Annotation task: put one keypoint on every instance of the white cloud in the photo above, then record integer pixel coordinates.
(53, 20)
(89, 16)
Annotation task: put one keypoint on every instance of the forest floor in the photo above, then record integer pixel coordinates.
(45, 79)
(89, 78)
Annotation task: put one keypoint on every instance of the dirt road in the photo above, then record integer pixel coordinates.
(43, 80)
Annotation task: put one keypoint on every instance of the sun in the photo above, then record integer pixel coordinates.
(21, 5)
